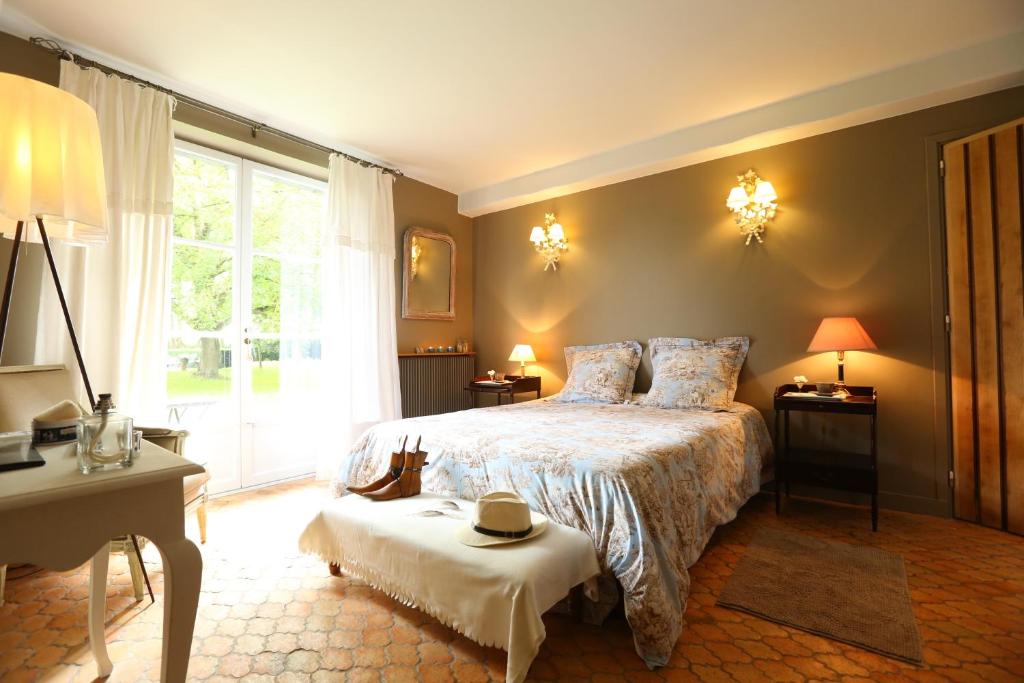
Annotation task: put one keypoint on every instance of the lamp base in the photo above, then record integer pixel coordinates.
(841, 382)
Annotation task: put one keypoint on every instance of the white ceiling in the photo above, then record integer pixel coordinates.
(507, 102)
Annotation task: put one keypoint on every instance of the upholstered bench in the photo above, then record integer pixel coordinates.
(493, 595)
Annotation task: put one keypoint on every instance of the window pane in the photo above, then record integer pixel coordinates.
(198, 370)
(286, 216)
(201, 285)
(204, 199)
(289, 363)
(285, 296)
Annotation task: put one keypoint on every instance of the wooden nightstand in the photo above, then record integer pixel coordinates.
(520, 385)
(835, 469)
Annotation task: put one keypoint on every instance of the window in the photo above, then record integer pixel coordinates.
(244, 347)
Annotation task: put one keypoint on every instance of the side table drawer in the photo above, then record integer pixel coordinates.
(841, 478)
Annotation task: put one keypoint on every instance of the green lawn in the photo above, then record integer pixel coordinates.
(189, 384)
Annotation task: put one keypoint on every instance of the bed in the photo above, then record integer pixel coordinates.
(648, 485)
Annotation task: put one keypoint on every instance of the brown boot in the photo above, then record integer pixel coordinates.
(392, 475)
(409, 483)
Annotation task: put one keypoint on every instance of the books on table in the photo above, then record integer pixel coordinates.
(813, 395)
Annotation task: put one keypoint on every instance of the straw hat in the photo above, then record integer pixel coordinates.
(501, 517)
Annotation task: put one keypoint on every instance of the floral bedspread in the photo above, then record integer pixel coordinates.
(649, 485)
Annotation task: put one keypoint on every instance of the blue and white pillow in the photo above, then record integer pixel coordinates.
(694, 373)
(601, 373)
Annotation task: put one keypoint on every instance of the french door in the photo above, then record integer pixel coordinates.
(243, 356)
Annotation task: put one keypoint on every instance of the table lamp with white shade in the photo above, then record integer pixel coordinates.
(51, 181)
(524, 354)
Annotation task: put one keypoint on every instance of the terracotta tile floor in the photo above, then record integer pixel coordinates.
(267, 613)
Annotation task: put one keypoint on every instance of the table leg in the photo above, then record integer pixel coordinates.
(874, 473)
(98, 610)
(183, 574)
(785, 475)
(576, 603)
(778, 466)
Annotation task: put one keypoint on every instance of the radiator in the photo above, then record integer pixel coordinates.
(434, 383)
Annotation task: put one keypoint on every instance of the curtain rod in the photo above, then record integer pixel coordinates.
(55, 48)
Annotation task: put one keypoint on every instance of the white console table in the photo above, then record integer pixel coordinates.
(56, 517)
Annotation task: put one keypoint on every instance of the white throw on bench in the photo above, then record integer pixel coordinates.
(494, 596)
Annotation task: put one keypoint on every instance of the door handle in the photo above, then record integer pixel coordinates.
(247, 340)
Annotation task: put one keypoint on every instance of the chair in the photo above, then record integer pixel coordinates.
(27, 390)
(195, 493)
(194, 485)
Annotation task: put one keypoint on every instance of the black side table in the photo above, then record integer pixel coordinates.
(835, 469)
(518, 385)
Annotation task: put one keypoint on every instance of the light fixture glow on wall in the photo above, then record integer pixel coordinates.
(549, 241)
(415, 250)
(754, 202)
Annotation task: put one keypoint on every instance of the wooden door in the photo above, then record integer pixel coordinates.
(983, 200)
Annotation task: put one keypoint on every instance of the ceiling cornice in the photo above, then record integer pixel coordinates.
(17, 24)
(978, 69)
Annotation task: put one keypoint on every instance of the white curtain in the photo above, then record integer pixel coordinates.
(360, 348)
(117, 292)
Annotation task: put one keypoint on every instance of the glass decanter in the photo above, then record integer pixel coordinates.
(105, 440)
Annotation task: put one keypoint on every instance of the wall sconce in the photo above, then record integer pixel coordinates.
(549, 241)
(753, 202)
(414, 257)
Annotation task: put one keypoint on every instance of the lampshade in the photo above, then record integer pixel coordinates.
(523, 353)
(537, 234)
(737, 198)
(764, 192)
(556, 232)
(51, 163)
(840, 334)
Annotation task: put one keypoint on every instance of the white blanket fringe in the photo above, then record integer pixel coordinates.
(379, 582)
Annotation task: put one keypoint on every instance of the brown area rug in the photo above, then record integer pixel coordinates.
(853, 594)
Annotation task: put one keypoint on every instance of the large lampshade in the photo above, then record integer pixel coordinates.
(51, 163)
(840, 334)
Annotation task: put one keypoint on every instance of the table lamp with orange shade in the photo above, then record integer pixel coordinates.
(841, 335)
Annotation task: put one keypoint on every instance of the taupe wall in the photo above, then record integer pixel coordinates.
(423, 206)
(856, 234)
(416, 204)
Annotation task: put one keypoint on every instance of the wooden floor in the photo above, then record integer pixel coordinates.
(269, 614)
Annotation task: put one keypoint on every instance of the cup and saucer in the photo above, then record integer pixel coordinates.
(833, 390)
(825, 389)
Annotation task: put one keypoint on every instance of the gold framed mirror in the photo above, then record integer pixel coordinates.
(428, 275)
